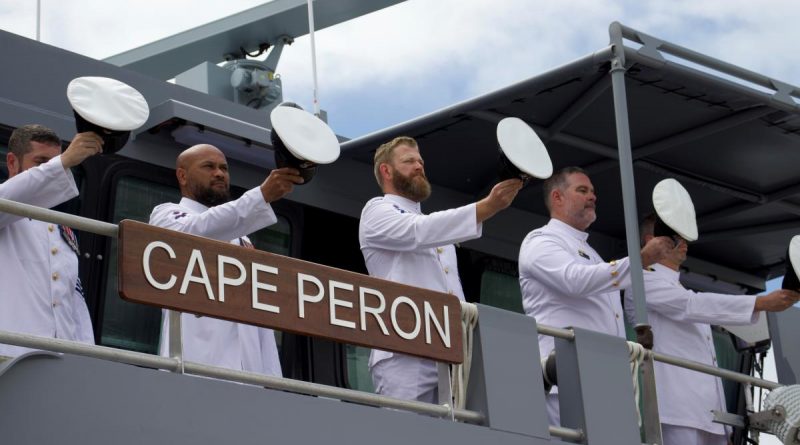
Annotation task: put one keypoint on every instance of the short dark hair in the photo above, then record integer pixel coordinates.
(21, 138)
(647, 227)
(558, 181)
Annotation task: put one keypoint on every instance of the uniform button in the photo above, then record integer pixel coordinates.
(613, 262)
(615, 283)
(708, 337)
(54, 250)
(55, 276)
(446, 270)
(439, 250)
(55, 303)
(51, 227)
(614, 273)
(617, 315)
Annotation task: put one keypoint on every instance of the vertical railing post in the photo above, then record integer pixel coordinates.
(175, 338)
(651, 421)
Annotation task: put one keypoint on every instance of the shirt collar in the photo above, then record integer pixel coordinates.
(405, 203)
(566, 229)
(193, 205)
(666, 271)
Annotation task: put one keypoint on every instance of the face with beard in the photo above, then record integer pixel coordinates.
(203, 175)
(407, 174)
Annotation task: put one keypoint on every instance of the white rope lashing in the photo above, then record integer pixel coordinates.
(637, 353)
(460, 373)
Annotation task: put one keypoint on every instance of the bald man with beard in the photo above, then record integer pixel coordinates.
(206, 210)
(401, 244)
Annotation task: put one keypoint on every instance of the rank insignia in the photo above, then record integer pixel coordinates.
(69, 238)
(583, 254)
(398, 208)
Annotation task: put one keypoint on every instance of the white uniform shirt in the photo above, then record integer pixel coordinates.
(38, 269)
(209, 340)
(565, 283)
(401, 244)
(680, 321)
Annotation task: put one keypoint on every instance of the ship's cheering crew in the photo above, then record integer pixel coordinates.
(402, 244)
(564, 281)
(42, 294)
(205, 209)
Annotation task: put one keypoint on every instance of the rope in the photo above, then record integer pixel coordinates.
(460, 373)
(637, 353)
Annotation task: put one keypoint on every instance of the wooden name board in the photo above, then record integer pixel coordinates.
(188, 273)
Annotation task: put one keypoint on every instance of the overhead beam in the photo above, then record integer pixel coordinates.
(577, 107)
(771, 198)
(747, 230)
(564, 138)
(249, 29)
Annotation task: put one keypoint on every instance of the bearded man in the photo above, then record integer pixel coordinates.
(401, 244)
(205, 209)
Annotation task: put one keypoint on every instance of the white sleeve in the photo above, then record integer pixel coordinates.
(227, 221)
(383, 226)
(548, 262)
(46, 186)
(680, 304)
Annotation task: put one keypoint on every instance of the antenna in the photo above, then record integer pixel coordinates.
(313, 54)
(38, 20)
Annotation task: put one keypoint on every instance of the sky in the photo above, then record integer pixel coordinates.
(422, 55)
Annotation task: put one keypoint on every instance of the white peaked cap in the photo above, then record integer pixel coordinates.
(108, 103)
(675, 208)
(523, 148)
(306, 136)
(794, 254)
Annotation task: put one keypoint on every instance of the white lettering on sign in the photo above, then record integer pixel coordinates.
(196, 258)
(223, 260)
(303, 297)
(146, 265)
(444, 333)
(417, 323)
(333, 285)
(375, 311)
(370, 308)
(256, 268)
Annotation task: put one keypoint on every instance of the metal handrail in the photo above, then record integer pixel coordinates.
(172, 364)
(279, 383)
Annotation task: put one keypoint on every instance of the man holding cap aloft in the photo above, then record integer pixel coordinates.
(402, 244)
(680, 321)
(564, 282)
(206, 210)
(42, 293)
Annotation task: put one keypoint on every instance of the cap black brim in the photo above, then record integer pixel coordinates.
(113, 141)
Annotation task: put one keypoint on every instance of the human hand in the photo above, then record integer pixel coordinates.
(279, 183)
(500, 197)
(656, 250)
(82, 146)
(776, 301)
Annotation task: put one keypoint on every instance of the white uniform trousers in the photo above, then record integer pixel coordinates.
(683, 435)
(407, 377)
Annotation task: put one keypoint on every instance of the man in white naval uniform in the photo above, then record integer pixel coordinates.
(206, 210)
(680, 321)
(564, 282)
(401, 244)
(41, 291)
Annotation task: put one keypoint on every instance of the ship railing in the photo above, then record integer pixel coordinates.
(280, 383)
